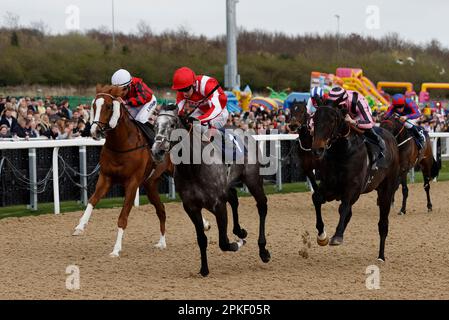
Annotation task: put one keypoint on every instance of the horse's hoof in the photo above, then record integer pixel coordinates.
(429, 210)
(240, 243)
(401, 213)
(336, 241)
(204, 272)
(114, 254)
(323, 240)
(78, 232)
(381, 259)
(265, 256)
(242, 234)
(160, 245)
(206, 225)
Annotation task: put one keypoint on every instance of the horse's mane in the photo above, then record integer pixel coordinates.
(169, 107)
(112, 90)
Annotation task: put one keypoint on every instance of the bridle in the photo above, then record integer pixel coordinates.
(163, 139)
(400, 131)
(336, 134)
(303, 125)
(102, 126)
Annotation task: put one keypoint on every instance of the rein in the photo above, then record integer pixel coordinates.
(399, 133)
(299, 137)
(107, 128)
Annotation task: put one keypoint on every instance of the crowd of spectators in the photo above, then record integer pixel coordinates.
(37, 118)
(262, 121)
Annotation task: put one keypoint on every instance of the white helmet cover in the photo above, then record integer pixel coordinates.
(121, 78)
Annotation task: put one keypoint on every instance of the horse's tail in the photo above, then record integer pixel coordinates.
(435, 170)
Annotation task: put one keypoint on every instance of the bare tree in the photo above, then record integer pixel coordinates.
(40, 26)
(11, 20)
(144, 29)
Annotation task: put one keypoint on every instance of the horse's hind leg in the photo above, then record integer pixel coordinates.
(130, 194)
(103, 185)
(318, 200)
(426, 172)
(151, 188)
(234, 202)
(427, 188)
(404, 193)
(196, 217)
(255, 186)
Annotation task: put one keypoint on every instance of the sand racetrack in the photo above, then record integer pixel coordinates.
(35, 252)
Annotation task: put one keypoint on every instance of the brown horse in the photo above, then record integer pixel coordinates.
(346, 172)
(125, 159)
(299, 122)
(410, 156)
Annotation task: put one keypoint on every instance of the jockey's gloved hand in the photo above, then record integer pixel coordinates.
(191, 120)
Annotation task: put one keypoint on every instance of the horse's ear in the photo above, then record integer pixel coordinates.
(99, 88)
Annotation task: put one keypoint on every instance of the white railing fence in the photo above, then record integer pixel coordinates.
(82, 143)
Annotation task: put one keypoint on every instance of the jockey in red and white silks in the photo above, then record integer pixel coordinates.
(202, 93)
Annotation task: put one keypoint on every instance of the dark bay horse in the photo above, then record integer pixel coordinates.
(125, 159)
(208, 186)
(346, 172)
(299, 122)
(410, 156)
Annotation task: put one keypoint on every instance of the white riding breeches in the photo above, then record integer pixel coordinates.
(143, 113)
(410, 123)
(217, 122)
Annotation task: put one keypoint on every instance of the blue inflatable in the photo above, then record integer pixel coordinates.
(232, 104)
(298, 96)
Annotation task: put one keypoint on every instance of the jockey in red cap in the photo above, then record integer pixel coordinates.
(408, 112)
(202, 93)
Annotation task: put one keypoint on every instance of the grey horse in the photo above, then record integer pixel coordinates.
(210, 185)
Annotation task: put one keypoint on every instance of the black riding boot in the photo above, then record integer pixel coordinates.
(372, 134)
(418, 136)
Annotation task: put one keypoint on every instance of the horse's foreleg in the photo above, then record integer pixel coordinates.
(345, 212)
(153, 196)
(195, 215)
(318, 200)
(130, 194)
(404, 193)
(234, 202)
(221, 215)
(255, 186)
(312, 180)
(385, 194)
(102, 187)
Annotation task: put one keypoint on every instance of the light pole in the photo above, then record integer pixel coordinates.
(232, 78)
(113, 26)
(338, 31)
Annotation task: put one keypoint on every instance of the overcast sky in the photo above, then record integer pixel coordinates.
(415, 20)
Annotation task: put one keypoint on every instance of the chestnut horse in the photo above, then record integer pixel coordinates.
(410, 156)
(346, 173)
(125, 159)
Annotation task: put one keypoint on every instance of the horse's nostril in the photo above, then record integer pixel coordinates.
(318, 151)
